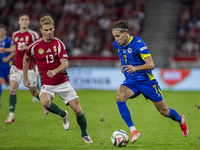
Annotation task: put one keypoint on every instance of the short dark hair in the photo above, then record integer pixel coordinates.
(2, 26)
(122, 24)
(24, 14)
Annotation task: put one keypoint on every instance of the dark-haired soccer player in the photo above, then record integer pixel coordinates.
(22, 39)
(5, 58)
(52, 61)
(136, 65)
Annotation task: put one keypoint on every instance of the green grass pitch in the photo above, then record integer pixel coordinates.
(33, 130)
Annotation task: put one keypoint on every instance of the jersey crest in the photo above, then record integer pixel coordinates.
(41, 51)
(54, 49)
(129, 50)
(16, 39)
(27, 38)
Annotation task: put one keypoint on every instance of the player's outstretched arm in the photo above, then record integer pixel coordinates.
(6, 59)
(25, 70)
(61, 68)
(7, 50)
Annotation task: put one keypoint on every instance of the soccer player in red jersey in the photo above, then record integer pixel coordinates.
(22, 39)
(52, 61)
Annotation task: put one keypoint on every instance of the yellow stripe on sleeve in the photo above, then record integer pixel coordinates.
(145, 56)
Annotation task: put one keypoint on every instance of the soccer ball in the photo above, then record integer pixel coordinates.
(120, 138)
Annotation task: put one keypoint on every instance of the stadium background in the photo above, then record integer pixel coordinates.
(169, 28)
(164, 25)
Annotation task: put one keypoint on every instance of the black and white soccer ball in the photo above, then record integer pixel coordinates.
(120, 138)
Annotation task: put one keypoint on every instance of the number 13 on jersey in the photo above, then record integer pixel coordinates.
(49, 59)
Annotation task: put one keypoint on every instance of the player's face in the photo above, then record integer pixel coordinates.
(24, 21)
(2, 32)
(120, 37)
(47, 32)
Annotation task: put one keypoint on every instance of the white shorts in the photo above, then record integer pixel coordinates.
(64, 90)
(17, 74)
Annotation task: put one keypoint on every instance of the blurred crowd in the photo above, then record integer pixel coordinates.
(187, 42)
(83, 25)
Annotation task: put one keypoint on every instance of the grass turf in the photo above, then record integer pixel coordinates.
(33, 130)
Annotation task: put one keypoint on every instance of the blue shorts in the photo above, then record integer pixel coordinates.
(4, 72)
(150, 89)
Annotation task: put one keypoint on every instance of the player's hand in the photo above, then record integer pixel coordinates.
(1, 49)
(129, 68)
(51, 73)
(23, 47)
(27, 83)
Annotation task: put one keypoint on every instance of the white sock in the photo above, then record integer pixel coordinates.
(182, 121)
(132, 128)
(11, 114)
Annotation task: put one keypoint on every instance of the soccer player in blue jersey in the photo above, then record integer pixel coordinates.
(5, 58)
(136, 65)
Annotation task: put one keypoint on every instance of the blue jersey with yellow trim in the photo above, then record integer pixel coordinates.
(134, 54)
(6, 43)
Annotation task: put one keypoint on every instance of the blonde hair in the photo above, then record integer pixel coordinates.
(46, 20)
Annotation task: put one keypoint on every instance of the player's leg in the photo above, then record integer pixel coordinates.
(70, 97)
(45, 99)
(33, 83)
(171, 113)
(12, 100)
(152, 91)
(34, 88)
(81, 119)
(4, 74)
(122, 95)
(34, 91)
(36, 98)
(1, 83)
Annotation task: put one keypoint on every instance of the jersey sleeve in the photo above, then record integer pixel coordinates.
(36, 36)
(141, 47)
(28, 51)
(62, 51)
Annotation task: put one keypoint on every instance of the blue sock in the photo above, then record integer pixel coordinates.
(174, 115)
(124, 111)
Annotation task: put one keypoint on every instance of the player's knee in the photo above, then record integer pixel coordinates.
(120, 97)
(45, 104)
(164, 112)
(13, 91)
(78, 111)
(35, 92)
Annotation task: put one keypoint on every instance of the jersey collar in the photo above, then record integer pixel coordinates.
(131, 38)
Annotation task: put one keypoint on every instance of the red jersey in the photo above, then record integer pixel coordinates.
(27, 39)
(47, 56)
